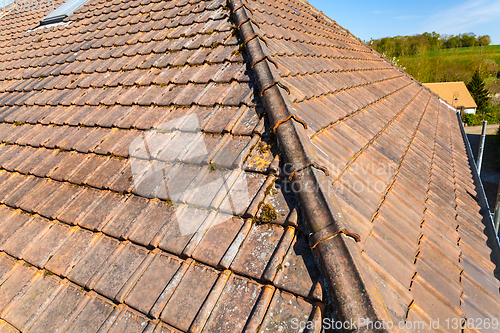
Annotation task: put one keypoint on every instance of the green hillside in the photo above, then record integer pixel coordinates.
(493, 50)
(454, 64)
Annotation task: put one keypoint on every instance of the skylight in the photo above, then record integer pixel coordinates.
(63, 11)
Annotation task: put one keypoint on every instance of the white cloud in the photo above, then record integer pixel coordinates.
(462, 17)
(379, 12)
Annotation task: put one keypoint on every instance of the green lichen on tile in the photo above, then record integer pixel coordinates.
(267, 214)
(240, 50)
(47, 273)
(262, 147)
(215, 167)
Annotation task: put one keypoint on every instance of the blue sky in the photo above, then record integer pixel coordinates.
(376, 19)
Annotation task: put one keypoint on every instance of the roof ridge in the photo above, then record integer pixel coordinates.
(324, 219)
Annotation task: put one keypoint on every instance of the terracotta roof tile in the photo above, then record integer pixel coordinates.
(177, 237)
(145, 120)
(107, 173)
(240, 295)
(27, 188)
(216, 242)
(17, 284)
(303, 281)
(115, 280)
(69, 253)
(87, 169)
(126, 321)
(69, 301)
(68, 166)
(185, 302)
(101, 211)
(239, 199)
(153, 282)
(95, 260)
(23, 313)
(255, 252)
(27, 237)
(283, 308)
(123, 222)
(46, 246)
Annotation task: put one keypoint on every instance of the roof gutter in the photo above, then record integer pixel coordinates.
(328, 237)
(493, 240)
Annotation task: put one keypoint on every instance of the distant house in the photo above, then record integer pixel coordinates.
(455, 93)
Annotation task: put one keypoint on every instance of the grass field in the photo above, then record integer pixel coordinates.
(454, 64)
(492, 51)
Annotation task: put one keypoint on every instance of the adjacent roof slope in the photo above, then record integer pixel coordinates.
(135, 156)
(449, 91)
(397, 167)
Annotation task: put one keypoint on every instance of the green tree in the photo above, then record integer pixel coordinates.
(434, 40)
(453, 42)
(484, 40)
(478, 92)
(468, 39)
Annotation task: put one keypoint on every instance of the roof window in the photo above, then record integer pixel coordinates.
(63, 11)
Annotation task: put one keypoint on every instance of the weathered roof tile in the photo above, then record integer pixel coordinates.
(295, 273)
(87, 169)
(128, 321)
(69, 253)
(17, 284)
(184, 304)
(94, 261)
(122, 224)
(283, 308)
(256, 252)
(102, 210)
(12, 223)
(57, 315)
(234, 306)
(187, 223)
(21, 243)
(46, 246)
(115, 277)
(23, 313)
(153, 282)
(219, 237)
(167, 82)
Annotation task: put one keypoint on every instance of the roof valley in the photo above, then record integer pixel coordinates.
(327, 237)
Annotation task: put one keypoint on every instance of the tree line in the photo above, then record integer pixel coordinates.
(401, 46)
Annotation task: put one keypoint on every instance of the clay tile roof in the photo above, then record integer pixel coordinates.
(228, 166)
(455, 93)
